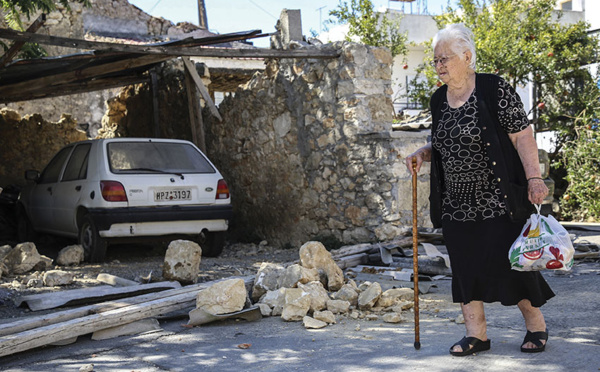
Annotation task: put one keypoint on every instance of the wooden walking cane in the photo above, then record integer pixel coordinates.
(415, 253)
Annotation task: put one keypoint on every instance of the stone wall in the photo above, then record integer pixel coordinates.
(30, 143)
(308, 150)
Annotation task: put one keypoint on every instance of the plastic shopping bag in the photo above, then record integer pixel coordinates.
(542, 244)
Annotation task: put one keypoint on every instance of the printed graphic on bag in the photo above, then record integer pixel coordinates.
(540, 246)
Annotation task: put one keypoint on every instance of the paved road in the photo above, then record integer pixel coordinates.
(573, 318)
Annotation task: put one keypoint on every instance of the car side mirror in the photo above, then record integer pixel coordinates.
(32, 175)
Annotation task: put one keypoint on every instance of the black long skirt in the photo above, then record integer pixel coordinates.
(480, 267)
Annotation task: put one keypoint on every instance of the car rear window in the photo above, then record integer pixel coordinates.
(150, 157)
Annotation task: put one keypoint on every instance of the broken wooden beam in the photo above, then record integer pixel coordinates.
(171, 50)
(427, 265)
(111, 314)
(191, 68)
(50, 300)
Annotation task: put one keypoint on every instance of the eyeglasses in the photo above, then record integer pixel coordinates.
(442, 60)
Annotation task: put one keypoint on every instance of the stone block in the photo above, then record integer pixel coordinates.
(223, 297)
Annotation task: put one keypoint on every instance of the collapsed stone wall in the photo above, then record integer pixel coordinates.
(30, 142)
(308, 151)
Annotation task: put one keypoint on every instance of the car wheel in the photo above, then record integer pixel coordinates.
(25, 231)
(94, 247)
(212, 243)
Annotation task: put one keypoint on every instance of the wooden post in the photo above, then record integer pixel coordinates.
(155, 112)
(202, 18)
(194, 111)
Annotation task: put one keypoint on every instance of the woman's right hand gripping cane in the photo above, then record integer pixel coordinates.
(421, 155)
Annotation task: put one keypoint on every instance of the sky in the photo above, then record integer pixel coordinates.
(225, 16)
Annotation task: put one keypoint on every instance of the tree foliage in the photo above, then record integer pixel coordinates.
(581, 160)
(13, 10)
(371, 27)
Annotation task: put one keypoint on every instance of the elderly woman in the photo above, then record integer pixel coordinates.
(484, 176)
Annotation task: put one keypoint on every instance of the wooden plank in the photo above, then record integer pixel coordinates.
(74, 88)
(30, 86)
(193, 110)
(133, 328)
(191, 68)
(172, 50)
(32, 322)
(50, 300)
(155, 112)
(18, 44)
(352, 260)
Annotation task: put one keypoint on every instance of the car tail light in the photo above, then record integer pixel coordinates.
(113, 191)
(222, 190)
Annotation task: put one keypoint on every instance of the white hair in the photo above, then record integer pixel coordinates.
(460, 38)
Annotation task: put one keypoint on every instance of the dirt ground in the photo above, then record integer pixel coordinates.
(140, 263)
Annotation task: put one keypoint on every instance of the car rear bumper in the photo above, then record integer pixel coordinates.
(155, 221)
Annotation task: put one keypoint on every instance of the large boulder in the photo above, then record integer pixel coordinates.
(314, 255)
(70, 255)
(182, 261)
(4, 251)
(338, 306)
(223, 297)
(22, 258)
(266, 279)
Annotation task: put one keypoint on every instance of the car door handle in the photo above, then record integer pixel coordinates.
(78, 187)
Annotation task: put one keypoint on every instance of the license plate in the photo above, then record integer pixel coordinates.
(173, 195)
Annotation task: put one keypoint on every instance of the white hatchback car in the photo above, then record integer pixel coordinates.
(103, 190)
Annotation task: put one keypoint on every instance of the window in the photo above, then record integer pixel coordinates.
(52, 170)
(78, 163)
(143, 157)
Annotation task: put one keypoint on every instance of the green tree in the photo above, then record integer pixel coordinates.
(371, 27)
(13, 10)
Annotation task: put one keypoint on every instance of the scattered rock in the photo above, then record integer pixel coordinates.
(314, 255)
(363, 286)
(317, 293)
(70, 255)
(347, 293)
(182, 261)
(223, 297)
(295, 274)
(311, 323)
(369, 297)
(266, 279)
(22, 258)
(393, 317)
(35, 283)
(354, 314)
(324, 316)
(44, 264)
(372, 317)
(3, 269)
(53, 278)
(265, 309)
(391, 296)
(4, 251)
(338, 306)
(275, 300)
(297, 304)
(460, 319)
(87, 368)
(403, 305)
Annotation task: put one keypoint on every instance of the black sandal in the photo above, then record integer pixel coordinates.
(470, 345)
(535, 338)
